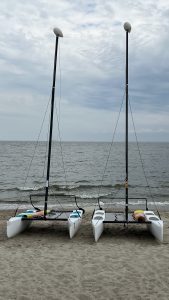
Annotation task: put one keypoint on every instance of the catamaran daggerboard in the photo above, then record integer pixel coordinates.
(101, 216)
(22, 221)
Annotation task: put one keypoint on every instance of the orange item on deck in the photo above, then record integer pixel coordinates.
(139, 215)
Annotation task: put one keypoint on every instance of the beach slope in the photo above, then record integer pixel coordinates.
(43, 263)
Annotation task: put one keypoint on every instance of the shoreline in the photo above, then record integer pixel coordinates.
(161, 206)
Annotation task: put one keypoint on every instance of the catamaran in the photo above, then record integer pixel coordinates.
(101, 216)
(22, 221)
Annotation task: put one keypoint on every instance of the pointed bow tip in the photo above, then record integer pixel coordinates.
(127, 26)
(57, 32)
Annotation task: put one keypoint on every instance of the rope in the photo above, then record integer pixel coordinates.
(45, 156)
(58, 124)
(57, 111)
(30, 164)
(101, 184)
(80, 208)
(60, 84)
(46, 148)
(36, 208)
(142, 160)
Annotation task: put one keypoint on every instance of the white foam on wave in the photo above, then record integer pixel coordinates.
(27, 189)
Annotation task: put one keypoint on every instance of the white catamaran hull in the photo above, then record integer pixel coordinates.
(16, 225)
(74, 221)
(97, 223)
(156, 225)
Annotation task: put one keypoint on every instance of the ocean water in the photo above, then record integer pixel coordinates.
(85, 170)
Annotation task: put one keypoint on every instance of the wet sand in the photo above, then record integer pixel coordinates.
(43, 263)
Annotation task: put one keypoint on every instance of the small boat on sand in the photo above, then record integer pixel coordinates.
(73, 218)
(101, 216)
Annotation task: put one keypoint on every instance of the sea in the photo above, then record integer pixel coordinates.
(83, 174)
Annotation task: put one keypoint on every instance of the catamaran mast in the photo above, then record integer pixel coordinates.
(127, 28)
(58, 34)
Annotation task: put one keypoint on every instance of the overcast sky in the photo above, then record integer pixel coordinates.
(90, 70)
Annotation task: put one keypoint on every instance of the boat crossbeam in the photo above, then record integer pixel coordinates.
(118, 217)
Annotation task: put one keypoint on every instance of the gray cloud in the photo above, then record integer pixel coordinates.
(92, 66)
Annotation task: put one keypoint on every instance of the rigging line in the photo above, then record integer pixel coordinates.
(58, 115)
(63, 164)
(119, 189)
(57, 110)
(62, 207)
(59, 132)
(36, 208)
(46, 149)
(58, 124)
(66, 211)
(110, 147)
(45, 158)
(116, 193)
(60, 83)
(58, 119)
(18, 204)
(61, 150)
(30, 164)
(142, 160)
(45, 155)
(78, 205)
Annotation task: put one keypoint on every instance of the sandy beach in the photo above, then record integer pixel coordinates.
(43, 263)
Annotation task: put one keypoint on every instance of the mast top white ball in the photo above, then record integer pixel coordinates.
(58, 32)
(127, 26)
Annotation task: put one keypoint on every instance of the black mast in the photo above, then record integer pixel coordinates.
(127, 28)
(58, 34)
